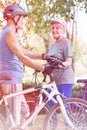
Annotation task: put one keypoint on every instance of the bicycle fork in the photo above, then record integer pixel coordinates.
(62, 107)
(54, 91)
(63, 110)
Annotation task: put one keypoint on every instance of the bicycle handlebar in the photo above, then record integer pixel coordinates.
(54, 61)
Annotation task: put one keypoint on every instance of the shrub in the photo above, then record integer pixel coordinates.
(77, 90)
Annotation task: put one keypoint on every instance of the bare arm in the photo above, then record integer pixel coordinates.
(32, 55)
(15, 47)
(68, 62)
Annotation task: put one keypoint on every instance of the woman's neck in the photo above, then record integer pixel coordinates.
(59, 38)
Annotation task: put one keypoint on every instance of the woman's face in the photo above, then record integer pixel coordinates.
(57, 30)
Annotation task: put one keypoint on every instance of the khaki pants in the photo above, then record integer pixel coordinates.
(18, 105)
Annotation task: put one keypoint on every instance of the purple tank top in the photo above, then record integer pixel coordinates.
(9, 63)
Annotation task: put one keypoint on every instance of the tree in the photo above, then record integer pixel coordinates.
(41, 11)
(39, 14)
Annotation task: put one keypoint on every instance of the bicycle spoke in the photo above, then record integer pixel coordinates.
(77, 112)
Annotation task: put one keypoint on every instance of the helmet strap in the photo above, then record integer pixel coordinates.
(16, 22)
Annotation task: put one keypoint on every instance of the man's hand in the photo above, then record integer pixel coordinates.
(55, 62)
(48, 69)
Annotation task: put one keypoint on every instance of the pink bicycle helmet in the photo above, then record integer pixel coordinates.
(12, 10)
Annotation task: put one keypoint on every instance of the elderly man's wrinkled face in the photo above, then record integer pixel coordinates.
(57, 30)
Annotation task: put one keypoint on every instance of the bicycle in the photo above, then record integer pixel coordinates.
(74, 110)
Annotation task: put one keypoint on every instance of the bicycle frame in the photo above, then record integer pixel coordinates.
(50, 96)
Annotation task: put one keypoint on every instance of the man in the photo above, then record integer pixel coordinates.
(12, 58)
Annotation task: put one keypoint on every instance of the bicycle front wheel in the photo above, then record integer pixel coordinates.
(76, 110)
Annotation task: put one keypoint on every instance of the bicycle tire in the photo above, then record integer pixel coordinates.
(45, 110)
(2, 121)
(77, 111)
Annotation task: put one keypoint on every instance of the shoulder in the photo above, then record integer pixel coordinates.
(11, 38)
(7, 28)
(66, 42)
(10, 33)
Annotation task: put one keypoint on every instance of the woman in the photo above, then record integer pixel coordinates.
(62, 49)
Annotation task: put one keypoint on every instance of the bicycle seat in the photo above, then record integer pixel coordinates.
(4, 78)
(82, 81)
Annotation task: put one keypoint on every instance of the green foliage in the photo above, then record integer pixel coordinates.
(77, 90)
(41, 11)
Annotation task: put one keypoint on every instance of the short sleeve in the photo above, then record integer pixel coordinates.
(68, 49)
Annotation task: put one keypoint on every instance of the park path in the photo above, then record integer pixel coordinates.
(38, 124)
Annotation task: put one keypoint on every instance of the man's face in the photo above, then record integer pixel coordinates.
(57, 30)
